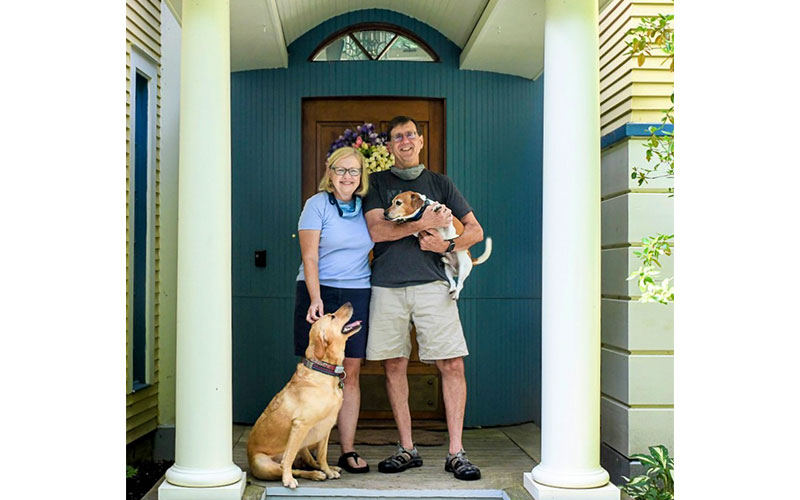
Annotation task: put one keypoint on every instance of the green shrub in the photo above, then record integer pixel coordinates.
(655, 34)
(658, 482)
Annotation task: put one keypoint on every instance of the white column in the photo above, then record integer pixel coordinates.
(570, 465)
(204, 465)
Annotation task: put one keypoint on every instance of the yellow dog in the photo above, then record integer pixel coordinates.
(301, 416)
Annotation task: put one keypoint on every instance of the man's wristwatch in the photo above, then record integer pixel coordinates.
(451, 244)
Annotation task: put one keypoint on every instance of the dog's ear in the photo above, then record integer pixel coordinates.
(321, 345)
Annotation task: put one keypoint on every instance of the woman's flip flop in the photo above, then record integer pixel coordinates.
(346, 466)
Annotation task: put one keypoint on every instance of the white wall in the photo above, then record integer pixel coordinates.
(170, 113)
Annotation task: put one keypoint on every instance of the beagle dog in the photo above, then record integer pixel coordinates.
(301, 416)
(408, 206)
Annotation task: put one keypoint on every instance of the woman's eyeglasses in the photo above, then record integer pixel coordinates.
(408, 135)
(340, 171)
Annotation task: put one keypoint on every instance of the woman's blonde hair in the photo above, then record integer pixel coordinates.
(327, 185)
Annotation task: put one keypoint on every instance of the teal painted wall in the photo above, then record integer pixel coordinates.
(494, 151)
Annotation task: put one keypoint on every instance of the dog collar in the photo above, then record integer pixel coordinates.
(425, 203)
(327, 369)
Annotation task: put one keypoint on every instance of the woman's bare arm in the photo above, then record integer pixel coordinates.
(309, 251)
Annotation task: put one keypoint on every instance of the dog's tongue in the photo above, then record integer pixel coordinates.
(350, 326)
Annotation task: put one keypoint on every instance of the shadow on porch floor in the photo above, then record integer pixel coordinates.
(502, 453)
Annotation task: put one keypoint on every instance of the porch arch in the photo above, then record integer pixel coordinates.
(493, 153)
(309, 16)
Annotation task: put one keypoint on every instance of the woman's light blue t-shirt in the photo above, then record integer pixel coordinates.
(344, 244)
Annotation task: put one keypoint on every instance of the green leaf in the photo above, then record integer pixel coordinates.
(661, 454)
(130, 471)
(639, 481)
(646, 460)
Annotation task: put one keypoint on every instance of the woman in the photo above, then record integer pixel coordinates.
(335, 246)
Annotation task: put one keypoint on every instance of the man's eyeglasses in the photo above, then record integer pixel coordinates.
(340, 171)
(409, 135)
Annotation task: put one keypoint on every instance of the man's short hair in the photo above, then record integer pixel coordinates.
(401, 120)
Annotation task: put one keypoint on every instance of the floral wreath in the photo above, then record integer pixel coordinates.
(370, 143)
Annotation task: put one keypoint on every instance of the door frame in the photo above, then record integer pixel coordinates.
(436, 159)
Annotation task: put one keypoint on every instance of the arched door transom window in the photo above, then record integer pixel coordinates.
(373, 42)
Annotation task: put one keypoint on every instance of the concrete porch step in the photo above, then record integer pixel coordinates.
(273, 493)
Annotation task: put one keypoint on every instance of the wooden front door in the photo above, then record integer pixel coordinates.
(324, 120)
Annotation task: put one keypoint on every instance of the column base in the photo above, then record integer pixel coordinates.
(543, 492)
(233, 491)
(203, 478)
(580, 478)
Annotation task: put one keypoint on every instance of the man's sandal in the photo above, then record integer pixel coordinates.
(461, 467)
(346, 466)
(401, 460)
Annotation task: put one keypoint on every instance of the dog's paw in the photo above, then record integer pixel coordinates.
(336, 468)
(291, 483)
(318, 475)
(332, 473)
(454, 294)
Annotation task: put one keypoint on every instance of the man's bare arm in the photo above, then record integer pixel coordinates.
(381, 229)
(431, 241)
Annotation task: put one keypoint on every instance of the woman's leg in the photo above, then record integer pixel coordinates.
(348, 415)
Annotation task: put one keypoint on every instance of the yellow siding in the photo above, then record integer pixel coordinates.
(143, 29)
(629, 93)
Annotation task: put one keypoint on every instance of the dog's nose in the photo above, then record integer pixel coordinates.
(386, 213)
(347, 304)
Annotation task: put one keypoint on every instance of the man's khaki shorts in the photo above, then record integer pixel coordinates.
(432, 311)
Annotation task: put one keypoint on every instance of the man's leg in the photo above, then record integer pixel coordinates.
(348, 415)
(441, 338)
(454, 390)
(397, 390)
(390, 340)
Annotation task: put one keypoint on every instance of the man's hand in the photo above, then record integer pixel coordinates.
(431, 218)
(431, 241)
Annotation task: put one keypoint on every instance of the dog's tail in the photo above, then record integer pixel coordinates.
(487, 252)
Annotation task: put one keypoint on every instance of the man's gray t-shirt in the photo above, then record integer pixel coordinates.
(402, 263)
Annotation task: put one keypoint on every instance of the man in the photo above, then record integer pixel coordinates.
(409, 284)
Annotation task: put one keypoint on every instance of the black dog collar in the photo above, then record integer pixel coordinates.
(416, 217)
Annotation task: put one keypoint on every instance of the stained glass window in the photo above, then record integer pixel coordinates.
(374, 42)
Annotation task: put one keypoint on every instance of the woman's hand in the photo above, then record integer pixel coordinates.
(315, 311)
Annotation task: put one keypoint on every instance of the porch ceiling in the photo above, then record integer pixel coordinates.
(501, 36)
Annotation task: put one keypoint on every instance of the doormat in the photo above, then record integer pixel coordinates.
(422, 437)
